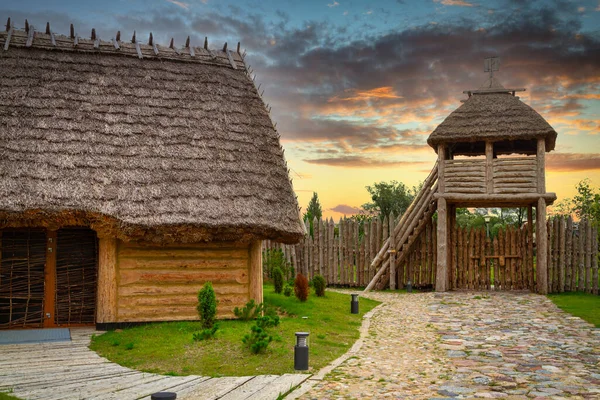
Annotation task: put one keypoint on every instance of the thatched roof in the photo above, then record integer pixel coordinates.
(145, 142)
(494, 113)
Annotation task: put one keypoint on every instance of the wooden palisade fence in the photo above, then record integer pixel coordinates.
(572, 256)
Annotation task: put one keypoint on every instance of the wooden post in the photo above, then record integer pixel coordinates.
(581, 258)
(595, 260)
(441, 280)
(392, 255)
(50, 280)
(561, 257)
(541, 167)
(542, 244)
(489, 170)
(321, 245)
(441, 167)
(588, 257)
(255, 275)
(106, 309)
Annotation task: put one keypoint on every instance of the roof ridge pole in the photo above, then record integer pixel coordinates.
(8, 25)
(117, 40)
(30, 34)
(47, 28)
(133, 38)
(205, 41)
(72, 32)
(150, 40)
(26, 25)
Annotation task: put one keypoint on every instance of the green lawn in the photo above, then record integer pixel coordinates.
(583, 305)
(6, 396)
(168, 348)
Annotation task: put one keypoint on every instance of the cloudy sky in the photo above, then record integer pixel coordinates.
(356, 87)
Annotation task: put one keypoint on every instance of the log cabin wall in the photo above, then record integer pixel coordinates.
(159, 283)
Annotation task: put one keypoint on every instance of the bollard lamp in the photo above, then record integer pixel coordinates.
(163, 396)
(354, 303)
(301, 351)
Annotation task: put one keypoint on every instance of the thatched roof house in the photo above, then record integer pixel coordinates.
(493, 113)
(147, 146)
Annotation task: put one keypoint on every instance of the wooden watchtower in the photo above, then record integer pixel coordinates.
(491, 153)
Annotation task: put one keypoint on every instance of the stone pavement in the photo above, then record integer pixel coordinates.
(469, 345)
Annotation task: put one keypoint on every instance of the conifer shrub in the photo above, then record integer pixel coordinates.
(257, 340)
(249, 312)
(278, 279)
(301, 287)
(287, 291)
(319, 285)
(207, 305)
(204, 334)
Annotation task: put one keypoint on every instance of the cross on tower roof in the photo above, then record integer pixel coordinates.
(491, 64)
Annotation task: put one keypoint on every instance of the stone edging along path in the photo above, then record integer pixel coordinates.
(465, 345)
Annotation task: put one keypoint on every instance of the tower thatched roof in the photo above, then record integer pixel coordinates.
(141, 141)
(493, 113)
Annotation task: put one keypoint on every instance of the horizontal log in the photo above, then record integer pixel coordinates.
(182, 264)
(513, 168)
(464, 162)
(505, 199)
(498, 175)
(467, 184)
(515, 190)
(149, 314)
(480, 175)
(208, 245)
(516, 185)
(516, 160)
(524, 179)
(173, 301)
(450, 170)
(165, 289)
(189, 253)
(451, 189)
(127, 277)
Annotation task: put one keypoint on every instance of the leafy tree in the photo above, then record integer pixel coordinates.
(585, 204)
(390, 196)
(313, 210)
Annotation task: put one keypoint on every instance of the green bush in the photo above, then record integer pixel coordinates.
(287, 291)
(319, 284)
(257, 340)
(249, 312)
(205, 333)
(301, 287)
(267, 321)
(278, 279)
(274, 258)
(207, 305)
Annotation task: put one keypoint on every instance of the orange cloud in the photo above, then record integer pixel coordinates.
(362, 162)
(568, 162)
(385, 92)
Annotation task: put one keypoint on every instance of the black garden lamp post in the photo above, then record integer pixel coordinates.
(354, 303)
(163, 396)
(409, 287)
(301, 351)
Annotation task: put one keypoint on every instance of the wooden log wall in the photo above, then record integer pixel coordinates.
(159, 283)
(465, 176)
(349, 250)
(515, 175)
(572, 256)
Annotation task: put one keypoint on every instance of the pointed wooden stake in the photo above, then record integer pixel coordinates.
(225, 47)
(118, 36)
(187, 42)
(72, 31)
(8, 25)
(47, 28)
(238, 48)
(133, 38)
(205, 41)
(93, 33)
(26, 26)
(172, 44)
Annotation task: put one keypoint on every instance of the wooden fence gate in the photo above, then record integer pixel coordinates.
(502, 263)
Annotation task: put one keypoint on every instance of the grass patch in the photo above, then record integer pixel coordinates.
(6, 396)
(169, 348)
(583, 305)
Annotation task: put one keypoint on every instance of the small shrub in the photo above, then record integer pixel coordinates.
(129, 346)
(319, 284)
(301, 287)
(115, 343)
(257, 340)
(207, 305)
(205, 333)
(267, 321)
(249, 312)
(278, 279)
(287, 291)
(274, 258)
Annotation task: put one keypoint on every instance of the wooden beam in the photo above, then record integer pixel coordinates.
(391, 222)
(441, 167)
(475, 199)
(255, 273)
(541, 165)
(106, 309)
(50, 280)
(489, 167)
(441, 278)
(541, 238)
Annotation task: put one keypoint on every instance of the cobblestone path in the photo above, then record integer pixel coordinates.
(469, 345)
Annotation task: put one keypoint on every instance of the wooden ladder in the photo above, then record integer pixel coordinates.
(408, 229)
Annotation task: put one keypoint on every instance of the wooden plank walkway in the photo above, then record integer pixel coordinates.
(69, 370)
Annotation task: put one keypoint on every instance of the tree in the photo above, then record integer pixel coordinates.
(313, 210)
(585, 204)
(390, 196)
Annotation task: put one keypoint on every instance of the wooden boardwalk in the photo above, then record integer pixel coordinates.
(69, 370)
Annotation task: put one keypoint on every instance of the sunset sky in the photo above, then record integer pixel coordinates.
(356, 87)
